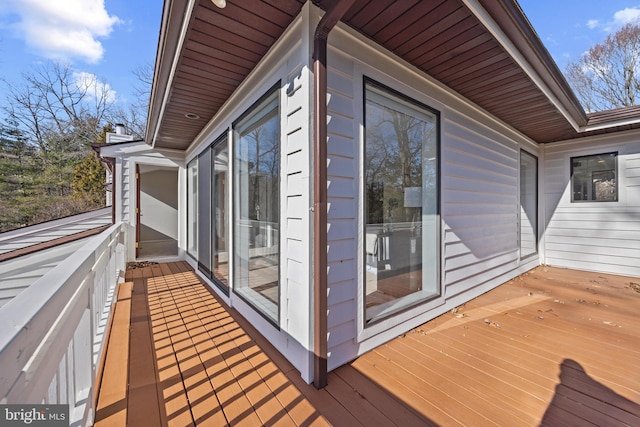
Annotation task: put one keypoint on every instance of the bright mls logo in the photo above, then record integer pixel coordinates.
(34, 415)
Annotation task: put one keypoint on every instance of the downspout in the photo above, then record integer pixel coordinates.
(112, 163)
(335, 12)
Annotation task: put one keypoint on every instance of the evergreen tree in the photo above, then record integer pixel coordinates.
(19, 166)
(89, 181)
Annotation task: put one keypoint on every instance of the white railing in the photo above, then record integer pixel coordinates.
(52, 334)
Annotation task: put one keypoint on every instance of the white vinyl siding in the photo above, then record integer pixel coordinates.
(128, 185)
(342, 228)
(479, 165)
(480, 204)
(296, 194)
(592, 235)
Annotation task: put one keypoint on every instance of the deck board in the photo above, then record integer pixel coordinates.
(112, 407)
(143, 392)
(551, 347)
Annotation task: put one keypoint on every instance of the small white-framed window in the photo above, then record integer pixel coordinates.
(594, 178)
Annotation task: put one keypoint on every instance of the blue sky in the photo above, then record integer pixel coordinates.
(104, 38)
(569, 27)
(110, 38)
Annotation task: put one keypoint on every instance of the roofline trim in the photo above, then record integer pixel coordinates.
(490, 24)
(610, 124)
(97, 146)
(36, 247)
(184, 26)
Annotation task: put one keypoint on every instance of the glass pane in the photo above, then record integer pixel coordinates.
(220, 207)
(401, 199)
(204, 212)
(257, 213)
(528, 204)
(192, 206)
(593, 178)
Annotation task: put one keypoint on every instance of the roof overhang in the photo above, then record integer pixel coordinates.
(485, 50)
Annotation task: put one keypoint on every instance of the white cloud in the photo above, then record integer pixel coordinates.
(63, 29)
(626, 16)
(96, 89)
(619, 19)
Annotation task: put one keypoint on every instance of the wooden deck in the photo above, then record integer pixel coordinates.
(552, 347)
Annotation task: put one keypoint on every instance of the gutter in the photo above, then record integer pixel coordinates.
(320, 264)
(610, 124)
(523, 45)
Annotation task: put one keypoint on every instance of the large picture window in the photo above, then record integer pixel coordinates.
(256, 207)
(594, 178)
(401, 192)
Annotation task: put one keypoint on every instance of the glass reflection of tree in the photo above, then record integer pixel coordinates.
(395, 145)
(263, 164)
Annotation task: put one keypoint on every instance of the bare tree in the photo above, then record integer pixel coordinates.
(55, 113)
(54, 105)
(607, 76)
(134, 115)
(144, 78)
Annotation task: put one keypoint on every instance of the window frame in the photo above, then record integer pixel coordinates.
(615, 155)
(409, 103)
(204, 207)
(217, 143)
(257, 111)
(537, 205)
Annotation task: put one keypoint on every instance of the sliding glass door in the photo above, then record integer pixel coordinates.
(220, 214)
(257, 207)
(204, 212)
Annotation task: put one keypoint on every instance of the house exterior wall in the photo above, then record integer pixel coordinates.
(479, 184)
(479, 195)
(288, 62)
(596, 236)
(127, 156)
(479, 202)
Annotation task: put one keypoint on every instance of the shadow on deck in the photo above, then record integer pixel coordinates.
(552, 347)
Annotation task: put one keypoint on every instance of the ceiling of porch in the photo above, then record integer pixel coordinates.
(443, 38)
